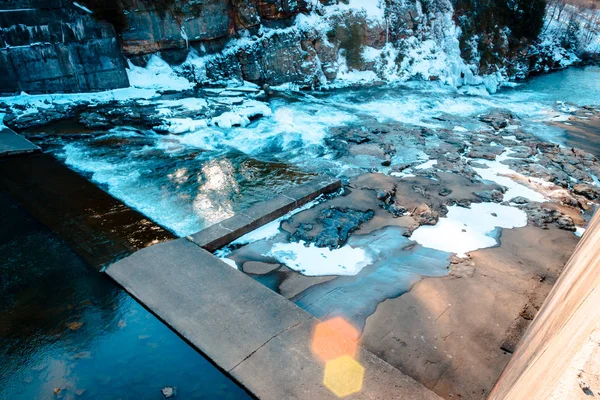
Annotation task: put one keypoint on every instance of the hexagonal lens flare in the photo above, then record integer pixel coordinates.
(335, 338)
(344, 376)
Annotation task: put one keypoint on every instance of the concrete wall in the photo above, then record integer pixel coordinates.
(549, 360)
(54, 46)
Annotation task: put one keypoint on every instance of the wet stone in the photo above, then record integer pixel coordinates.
(490, 195)
(519, 200)
(337, 225)
(258, 268)
(445, 192)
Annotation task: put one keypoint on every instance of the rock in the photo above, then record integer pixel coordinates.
(302, 233)
(445, 192)
(334, 227)
(519, 200)
(486, 152)
(488, 196)
(168, 391)
(338, 224)
(396, 209)
(382, 195)
(498, 119)
(94, 120)
(425, 215)
(589, 191)
(55, 48)
(541, 216)
(565, 222)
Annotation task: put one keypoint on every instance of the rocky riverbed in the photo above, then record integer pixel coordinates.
(417, 258)
(458, 212)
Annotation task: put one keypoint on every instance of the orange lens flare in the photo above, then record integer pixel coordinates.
(334, 338)
(344, 376)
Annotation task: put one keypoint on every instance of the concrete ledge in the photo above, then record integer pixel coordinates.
(13, 144)
(285, 368)
(223, 233)
(260, 338)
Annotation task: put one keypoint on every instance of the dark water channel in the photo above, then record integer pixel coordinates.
(67, 331)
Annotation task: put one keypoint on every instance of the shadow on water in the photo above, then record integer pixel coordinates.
(100, 228)
(68, 329)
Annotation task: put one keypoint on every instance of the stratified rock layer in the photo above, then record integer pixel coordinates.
(53, 45)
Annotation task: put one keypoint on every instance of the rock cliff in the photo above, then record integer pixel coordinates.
(60, 45)
(54, 45)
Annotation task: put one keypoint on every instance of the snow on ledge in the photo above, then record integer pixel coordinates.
(84, 8)
(157, 75)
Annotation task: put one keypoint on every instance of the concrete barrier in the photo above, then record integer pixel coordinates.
(546, 355)
(219, 235)
(14, 144)
(259, 337)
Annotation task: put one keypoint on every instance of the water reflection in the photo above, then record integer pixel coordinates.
(217, 188)
(67, 331)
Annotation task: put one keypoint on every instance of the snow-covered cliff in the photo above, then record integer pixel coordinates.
(319, 43)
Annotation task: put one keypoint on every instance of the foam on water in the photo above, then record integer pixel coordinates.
(286, 129)
(125, 181)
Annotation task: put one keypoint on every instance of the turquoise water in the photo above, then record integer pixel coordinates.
(579, 86)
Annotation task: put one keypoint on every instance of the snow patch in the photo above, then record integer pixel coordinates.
(316, 261)
(467, 229)
(229, 262)
(427, 165)
(158, 75)
(501, 174)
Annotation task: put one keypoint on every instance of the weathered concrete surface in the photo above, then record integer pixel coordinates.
(223, 233)
(261, 338)
(448, 332)
(285, 368)
(12, 143)
(548, 356)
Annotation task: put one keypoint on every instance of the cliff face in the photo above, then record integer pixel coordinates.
(152, 26)
(53, 45)
(61, 45)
